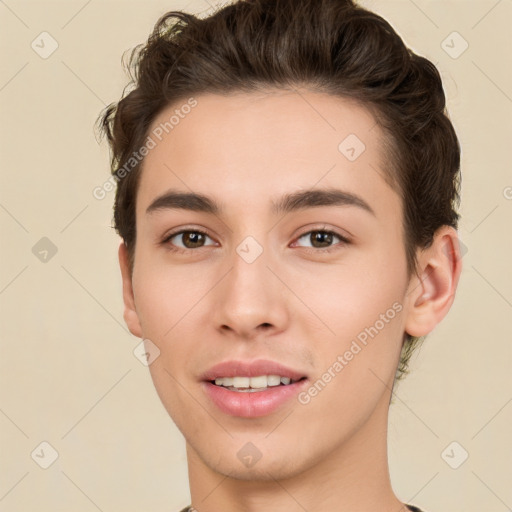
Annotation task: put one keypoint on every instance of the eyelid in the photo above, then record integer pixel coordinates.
(346, 237)
(186, 229)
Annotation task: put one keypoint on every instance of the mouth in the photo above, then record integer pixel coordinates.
(253, 384)
(251, 389)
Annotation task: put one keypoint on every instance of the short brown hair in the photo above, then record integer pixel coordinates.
(330, 46)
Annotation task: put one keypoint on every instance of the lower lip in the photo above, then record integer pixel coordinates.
(252, 404)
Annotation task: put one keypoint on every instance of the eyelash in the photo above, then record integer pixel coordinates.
(344, 240)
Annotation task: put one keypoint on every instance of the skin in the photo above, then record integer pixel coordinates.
(295, 304)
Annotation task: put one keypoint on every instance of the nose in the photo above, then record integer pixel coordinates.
(251, 300)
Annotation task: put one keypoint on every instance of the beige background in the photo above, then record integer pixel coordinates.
(68, 373)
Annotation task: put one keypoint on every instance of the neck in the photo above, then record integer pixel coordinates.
(353, 477)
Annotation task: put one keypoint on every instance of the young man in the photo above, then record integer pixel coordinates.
(287, 178)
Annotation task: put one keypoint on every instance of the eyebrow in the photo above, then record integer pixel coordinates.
(301, 200)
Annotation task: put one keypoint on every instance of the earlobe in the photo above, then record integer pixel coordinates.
(130, 313)
(432, 291)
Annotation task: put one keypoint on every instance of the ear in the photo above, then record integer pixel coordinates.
(432, 289)
(130, 314)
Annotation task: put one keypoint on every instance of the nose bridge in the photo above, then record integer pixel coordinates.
(250, 294)
(249, 280)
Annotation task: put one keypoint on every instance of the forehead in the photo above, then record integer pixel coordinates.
(248, 147)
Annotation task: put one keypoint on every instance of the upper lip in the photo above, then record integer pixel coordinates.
(250, 369)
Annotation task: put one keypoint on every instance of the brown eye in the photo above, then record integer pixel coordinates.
(191, 239)
(322, 239)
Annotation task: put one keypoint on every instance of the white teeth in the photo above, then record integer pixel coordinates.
(259, 382)
(241, 382)
(274, 380)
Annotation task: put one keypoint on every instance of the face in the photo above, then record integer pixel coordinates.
(317, 283)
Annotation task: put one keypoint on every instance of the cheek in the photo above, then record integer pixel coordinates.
(165, 297)
(359, 342)
(351, 296)
(170, 302)
(356, 364)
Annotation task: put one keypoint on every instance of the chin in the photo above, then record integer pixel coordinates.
(268, 463)
(268, 471)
